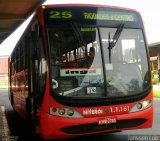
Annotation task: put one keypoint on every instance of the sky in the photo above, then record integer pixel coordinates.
(149, 10)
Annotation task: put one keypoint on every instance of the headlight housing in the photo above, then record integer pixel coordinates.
(65, 112)
(142, 105)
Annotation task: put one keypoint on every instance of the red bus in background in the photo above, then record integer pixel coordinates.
(82, 69)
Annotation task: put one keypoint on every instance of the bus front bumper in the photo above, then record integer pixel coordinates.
(54, 127)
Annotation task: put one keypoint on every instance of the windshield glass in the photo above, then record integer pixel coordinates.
(76, 61)
(77, 67)
(127, 67)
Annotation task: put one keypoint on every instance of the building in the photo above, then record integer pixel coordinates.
(154, 52)
(3, 71)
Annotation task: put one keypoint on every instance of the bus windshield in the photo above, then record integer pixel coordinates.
(81, 66)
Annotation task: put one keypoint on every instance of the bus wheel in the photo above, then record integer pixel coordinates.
(12, 103)
(28, 110)
(12, 100)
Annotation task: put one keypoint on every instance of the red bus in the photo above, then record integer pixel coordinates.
(82, 69)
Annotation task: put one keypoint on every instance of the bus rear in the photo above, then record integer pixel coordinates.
(99, 75)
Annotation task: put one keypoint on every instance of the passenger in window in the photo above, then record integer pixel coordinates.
(92, 50)
(92, 53)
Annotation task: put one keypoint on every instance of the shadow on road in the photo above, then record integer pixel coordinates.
(19, 127)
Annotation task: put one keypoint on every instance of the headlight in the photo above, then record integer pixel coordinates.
(61, 111)
(65, 112)
(70, 112)
(139, 105)
(142, 105)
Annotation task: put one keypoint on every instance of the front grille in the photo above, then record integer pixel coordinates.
(94, 127)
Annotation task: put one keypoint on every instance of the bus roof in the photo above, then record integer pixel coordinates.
(86, 5)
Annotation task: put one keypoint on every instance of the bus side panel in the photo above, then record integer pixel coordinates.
(20, 92)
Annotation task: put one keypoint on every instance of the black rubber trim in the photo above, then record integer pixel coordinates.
(94, 127)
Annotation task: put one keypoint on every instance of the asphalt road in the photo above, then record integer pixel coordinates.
(19, 130)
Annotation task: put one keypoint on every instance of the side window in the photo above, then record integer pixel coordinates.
(13, 64)
(17, 60)
(30, 50)
(22, 55)
(27, 44)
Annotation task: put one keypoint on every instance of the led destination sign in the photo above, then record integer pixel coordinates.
(89, 14)
(108, 16)
(93, 16)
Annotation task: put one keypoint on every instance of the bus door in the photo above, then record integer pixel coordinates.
(38, 71)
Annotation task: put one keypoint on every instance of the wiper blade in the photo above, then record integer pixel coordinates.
(117, 35)
(78, 33)
(79, 37)
(114, 40)
(109, 47)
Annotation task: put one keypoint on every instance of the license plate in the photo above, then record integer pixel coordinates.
(107, 120)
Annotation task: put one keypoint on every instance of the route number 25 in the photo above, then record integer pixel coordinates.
(60, 15)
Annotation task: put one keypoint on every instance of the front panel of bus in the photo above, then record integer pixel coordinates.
(99, 70)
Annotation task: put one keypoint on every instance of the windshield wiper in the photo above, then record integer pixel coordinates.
(79, 37)
(116, 36)
(78, 34)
